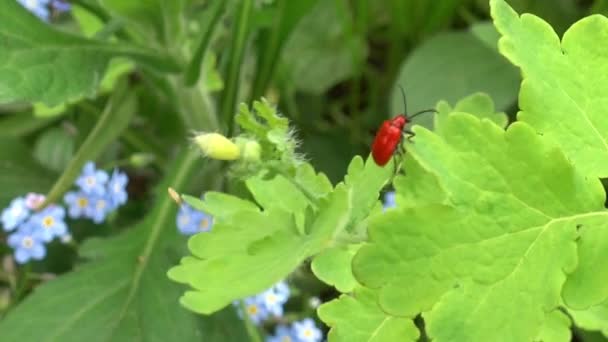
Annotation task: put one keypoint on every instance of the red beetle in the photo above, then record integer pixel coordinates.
(391, 133)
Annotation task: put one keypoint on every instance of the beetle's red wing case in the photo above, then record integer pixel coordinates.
(385, 143)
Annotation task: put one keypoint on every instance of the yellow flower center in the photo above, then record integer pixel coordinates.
(27, 242)
(82, 202)
(203, 224)
(101, 204)
(90, 181)
(183, 220)
(48, 221)
(252, 309)
(271, 298)
(286, 339)
(307, 332)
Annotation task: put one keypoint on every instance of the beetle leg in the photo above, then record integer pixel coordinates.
(409, 135)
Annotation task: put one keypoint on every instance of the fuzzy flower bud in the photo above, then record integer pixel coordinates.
(216, 146)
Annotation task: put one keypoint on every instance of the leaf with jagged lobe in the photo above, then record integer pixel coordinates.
(563, 90)
(357, 317)
(501, 234)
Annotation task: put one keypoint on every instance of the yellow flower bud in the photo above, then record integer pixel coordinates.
(217, 146)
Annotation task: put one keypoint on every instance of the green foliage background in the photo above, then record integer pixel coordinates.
(500, 230)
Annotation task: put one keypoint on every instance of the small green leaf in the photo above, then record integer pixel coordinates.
(502, 234)
(478, 104)
(332, 266)
(562, 93)
(556, 328)
(357, 317)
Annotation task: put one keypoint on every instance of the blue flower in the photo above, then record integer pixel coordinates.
(60, 6)
(49, 222)
(191, 221)
(275, 297)
(307, 331)
(117, 188)
(14, 214)
(99, 207)
(282, 333)
(92, 181)
(389, 200)
(38, 7)
(78, 203)
(255, 310)
(28, 243)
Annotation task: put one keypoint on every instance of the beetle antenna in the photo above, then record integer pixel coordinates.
(422, 112)
(404, 100)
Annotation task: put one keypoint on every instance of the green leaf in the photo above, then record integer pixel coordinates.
(115, 118)
(20, 173)
(39, 63)
(586, 286)
(260, 263)
(357, 317)
(322, 50)
(367, 180)
(594, 318)
(54, 149)
(332, 266)
(556, 328)
(453, 65)
(121, 293)
(478, 104)
(502, 234)
(562, 82)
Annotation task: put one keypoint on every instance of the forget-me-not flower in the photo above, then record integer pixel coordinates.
(389, 200)
(38, 7)
(307, 331)
(92, 181)
(13, 215)
(27, 243)
(275, 297)
(191, 221)
(117, 191)
(99, 207)
(282, 333)
(49, 222)
(78, 203)
(255, 309)
(60, 6)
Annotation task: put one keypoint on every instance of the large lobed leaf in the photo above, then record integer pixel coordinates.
(39, 63)
(563, 91)
(121, 294)
(252, 249)
(502, 234)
